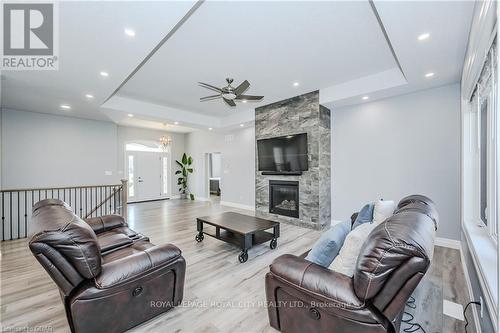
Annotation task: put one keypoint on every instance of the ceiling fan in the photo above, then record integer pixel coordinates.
(229, 93)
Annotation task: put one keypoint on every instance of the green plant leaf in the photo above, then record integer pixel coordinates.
(178, 172)
(179, 163)
(190, 160)
(184, 158)
(190, 170)
(191, 195)
(184, 172)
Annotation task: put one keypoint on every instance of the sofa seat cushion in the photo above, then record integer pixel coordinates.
(133, 261)
(328, 245)
(112, 241)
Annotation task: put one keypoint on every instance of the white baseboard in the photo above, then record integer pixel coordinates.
(237, 205)
(447, 242)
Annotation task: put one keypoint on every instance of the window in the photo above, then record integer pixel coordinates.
(483, 161)
(131, 190)
(482, 171)
(150, 147)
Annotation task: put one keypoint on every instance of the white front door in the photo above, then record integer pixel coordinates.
(147, 175)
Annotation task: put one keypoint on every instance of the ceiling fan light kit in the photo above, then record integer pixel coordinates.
(229, 93)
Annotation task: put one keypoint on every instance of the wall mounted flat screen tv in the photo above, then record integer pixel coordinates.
(283, 154)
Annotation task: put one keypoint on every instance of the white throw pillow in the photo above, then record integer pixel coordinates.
(383, 209)
(345, 262)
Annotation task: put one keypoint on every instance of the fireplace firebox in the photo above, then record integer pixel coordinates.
(284, 198)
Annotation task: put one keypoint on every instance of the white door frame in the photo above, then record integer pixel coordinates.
(161, 155)
(206, 174)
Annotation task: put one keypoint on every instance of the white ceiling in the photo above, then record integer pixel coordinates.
(443, 53)
(270, 44)
(335, 47)
(91, 40)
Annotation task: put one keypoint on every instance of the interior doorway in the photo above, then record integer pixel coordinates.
(214, 176)
(148, 172)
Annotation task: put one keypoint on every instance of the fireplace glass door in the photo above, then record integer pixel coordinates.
(284, 198)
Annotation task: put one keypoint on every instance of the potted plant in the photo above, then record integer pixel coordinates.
(185, 170)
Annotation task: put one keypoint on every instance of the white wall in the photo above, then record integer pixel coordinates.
(399, 146)
(238, 164)
(41, 150)
(134, 134)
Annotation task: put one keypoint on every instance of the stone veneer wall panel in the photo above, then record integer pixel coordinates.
(300, 114)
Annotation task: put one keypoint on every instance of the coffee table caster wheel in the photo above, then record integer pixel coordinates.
(243, 257)
(273, 243)
(199, 237)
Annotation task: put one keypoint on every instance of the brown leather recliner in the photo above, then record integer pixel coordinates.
(305, 297)
(110, 277)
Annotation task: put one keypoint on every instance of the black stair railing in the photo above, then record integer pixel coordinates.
(86, 201)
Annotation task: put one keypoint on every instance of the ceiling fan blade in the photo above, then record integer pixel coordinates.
(242, 88)
(250, 98)
(208, 98)
(209, 86)
(229, 102)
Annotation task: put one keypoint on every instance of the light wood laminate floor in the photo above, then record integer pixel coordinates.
(221, 295)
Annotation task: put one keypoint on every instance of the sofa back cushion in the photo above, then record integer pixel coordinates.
(407, 235)
(58, 229)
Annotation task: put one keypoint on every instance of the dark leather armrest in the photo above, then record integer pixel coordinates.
(104, 223)
(112, 241)
(314, 279)
(133, 266)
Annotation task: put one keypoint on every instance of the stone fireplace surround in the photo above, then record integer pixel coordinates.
(300, 114)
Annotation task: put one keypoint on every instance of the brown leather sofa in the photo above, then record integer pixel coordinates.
(110, 278)
(305, 297)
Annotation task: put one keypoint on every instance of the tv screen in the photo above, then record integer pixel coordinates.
(283, 154)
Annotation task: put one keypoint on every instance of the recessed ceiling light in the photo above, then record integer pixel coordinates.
(130, 32)
(210, 128)
(130, 115)
(295, 84)
(424, 36)
(65, 107)
(365, 97)
(176, 123)
(429, 75)
(89, 96)
(105, 74)
(244, 100)
(241, 125)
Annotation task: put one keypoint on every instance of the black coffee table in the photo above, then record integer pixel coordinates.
(241, 230)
